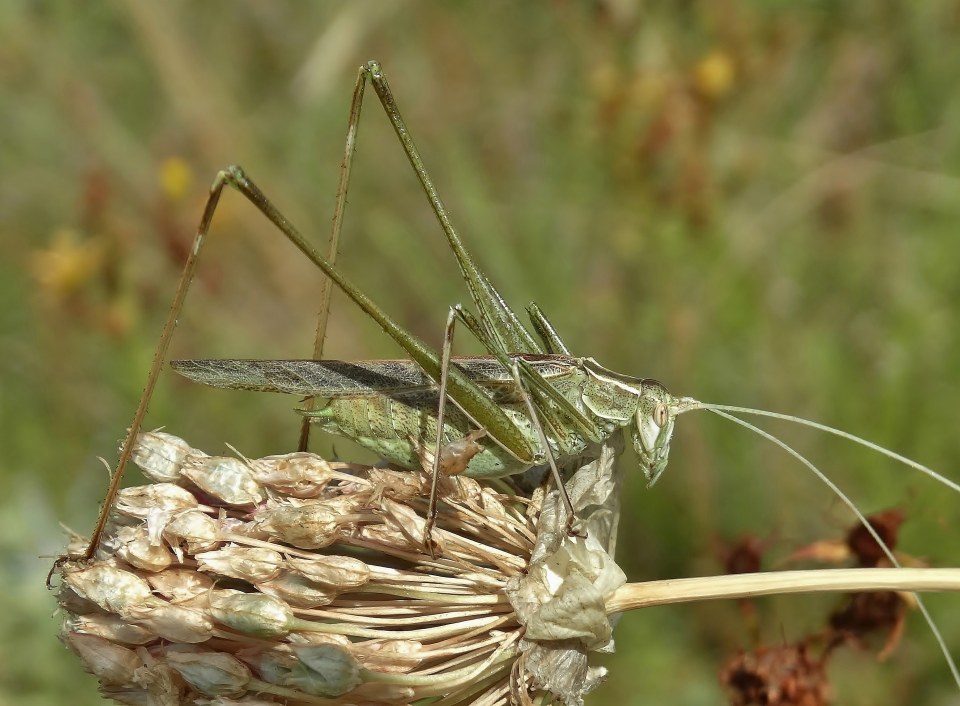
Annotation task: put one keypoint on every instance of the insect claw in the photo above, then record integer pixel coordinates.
(574, 528)
(427, 541)
(57, 564)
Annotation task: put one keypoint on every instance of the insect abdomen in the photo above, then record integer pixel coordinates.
(393, 427)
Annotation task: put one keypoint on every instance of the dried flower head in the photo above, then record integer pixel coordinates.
(864, 614)
(292, 580)
(777, 676)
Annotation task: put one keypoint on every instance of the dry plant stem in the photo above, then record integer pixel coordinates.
(651, 593)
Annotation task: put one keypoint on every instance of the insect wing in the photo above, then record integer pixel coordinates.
(338, 378)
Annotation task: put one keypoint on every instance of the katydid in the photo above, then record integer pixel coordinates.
(529, 402)
(534, 401)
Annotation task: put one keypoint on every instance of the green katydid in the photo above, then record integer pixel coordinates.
(535, 402)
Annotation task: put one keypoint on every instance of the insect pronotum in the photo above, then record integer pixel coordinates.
(529, 402)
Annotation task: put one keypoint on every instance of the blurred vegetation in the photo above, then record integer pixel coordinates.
(754, 202)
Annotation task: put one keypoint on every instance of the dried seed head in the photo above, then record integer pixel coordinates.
(778, 676)
(326, 590)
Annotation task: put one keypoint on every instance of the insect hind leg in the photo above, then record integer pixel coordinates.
(159, 357)
(333, 244)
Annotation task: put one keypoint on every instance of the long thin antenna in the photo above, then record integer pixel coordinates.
(953, 485)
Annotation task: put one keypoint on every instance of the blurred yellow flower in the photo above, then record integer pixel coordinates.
(67, 264)
(175, 178)
(714, 75)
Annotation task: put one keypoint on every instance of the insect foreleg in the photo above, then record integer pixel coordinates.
(561, 407)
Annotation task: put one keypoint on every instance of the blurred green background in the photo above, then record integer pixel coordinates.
(754, 202)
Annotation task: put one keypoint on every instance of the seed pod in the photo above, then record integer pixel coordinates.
(192, 530)
(136, 549)
(272, 665)
(161, 456)
(180, 584)
(327, 670)
(340, 572)
(226, 479)
(111, 627)
(113, 589)
(211, 673)
(310, 526)
(337, 673)
(162, 686)
(172, 622)
(250, 564)
(143, 500)
(251, 613)
(398, 485)
(402, 528)
(112, 664)
(300, 475)
(297, 591)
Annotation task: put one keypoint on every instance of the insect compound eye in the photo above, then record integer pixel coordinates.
(660, 415)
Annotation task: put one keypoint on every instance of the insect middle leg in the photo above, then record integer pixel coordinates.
(455, 313)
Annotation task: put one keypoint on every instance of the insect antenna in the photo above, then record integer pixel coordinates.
(717, 408)
(722, 410)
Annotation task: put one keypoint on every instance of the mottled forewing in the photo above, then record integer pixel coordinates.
(339, 378)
